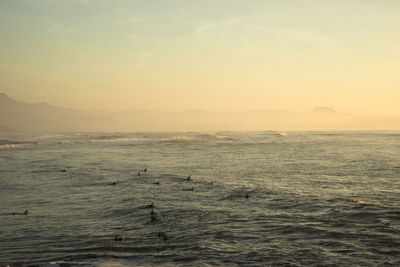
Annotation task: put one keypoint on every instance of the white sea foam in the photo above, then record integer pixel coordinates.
(224, 138)
(178, 139)
(12, 144)
(119, 140)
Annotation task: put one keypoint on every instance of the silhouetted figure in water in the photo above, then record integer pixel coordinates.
(157, 183)
(161, 233)
(154, 217)
(63, 170)
(188, 178)
(163, 214)
(23, 213)
(164, 235)
(152, 212)
(138, 174)
(247, 196)
(118, 238)
(145, 170)
(113, 183)
(152, 206)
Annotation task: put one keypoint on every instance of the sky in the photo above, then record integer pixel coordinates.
(212, 55)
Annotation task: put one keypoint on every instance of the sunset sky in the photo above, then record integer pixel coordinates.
(213, 55)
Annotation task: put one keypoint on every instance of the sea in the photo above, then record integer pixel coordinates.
(201, 199)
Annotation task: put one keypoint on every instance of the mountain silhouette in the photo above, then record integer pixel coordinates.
(19, 118)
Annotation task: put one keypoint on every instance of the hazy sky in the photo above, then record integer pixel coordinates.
(203, 54)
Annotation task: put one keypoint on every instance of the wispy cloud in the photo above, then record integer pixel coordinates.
(257, 30)
(218, 25)
(146, 54)
(303, 36)
(56, 28)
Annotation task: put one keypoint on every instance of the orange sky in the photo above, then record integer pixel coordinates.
(208, 55)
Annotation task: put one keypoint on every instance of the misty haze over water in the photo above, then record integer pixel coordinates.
(22, 118)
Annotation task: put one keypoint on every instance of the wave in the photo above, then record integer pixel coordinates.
(9, 144)
(356, 201)
(224, 138)
(119, 140)
(202, 138)
(282, 133)
(114, 138)
(178, 139)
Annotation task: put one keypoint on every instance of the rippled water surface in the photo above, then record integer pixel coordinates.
(314, 198)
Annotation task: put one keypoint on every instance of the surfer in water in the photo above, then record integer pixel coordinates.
(152, 206)
(163, 234)
(23, 213)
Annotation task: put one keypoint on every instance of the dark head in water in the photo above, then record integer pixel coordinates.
(188, 178)
(152, 206)
(154, 217)
(138, 173)
(247, 196)
(145, 170)
(157, 183)
(26, 212)
(118, 238)
(163, 234)
(63, 170)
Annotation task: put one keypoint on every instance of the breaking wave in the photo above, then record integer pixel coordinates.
(9, 144)
(112, 138)
(178, 139)
(224, 138)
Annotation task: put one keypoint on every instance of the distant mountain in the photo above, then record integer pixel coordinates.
(323, 110)
(17, 117)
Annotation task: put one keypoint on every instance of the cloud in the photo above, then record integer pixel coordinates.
(145, 54)
(135, 19)
(218, 25)
(256, 30)
(307, 37)
(56, 28)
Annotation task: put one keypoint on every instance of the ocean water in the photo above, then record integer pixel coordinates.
(314, 199)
